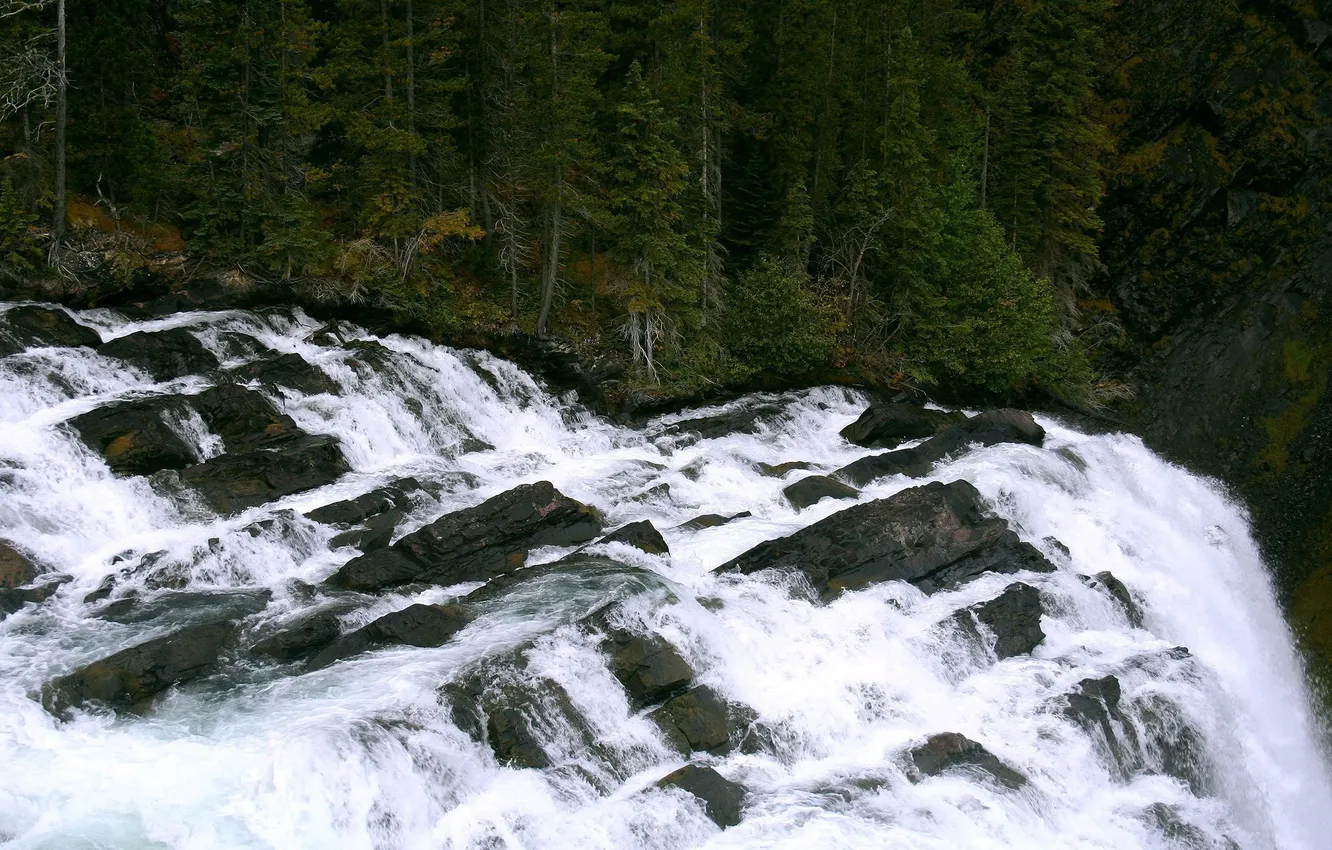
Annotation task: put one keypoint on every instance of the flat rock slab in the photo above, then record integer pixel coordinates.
(722, 799)
(29, 326)
(136, 674)
(703, 521)
(415, 625)
(232, 483)
(695, 721)
(935, 537)
(478, 543)
(165, 355)
(136, 437)
(886, 426)
(288, 371)
(812, 489)
(949, 751)
(301, 638)
(986, 429)
(244, 419)
(394, 496)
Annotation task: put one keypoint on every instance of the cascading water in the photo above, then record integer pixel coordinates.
(367, 753)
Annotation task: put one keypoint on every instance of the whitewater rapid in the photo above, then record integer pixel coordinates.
(365, 754)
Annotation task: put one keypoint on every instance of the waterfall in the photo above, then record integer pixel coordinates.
(371, 752)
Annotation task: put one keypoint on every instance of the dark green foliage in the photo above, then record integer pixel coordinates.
(19, 254)
(774, 324)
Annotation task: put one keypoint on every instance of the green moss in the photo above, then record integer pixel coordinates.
(1304, 365)
(1298, 360)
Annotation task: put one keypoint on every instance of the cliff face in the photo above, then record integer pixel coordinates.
(1218, 249)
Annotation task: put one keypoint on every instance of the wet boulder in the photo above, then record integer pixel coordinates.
(812, 489)
(722, 799)
(394, 496)
(30, 326)
(886, 426)
(986, 429)
(1118, 591)
(16, 568)
(743, 420)
(703, 521)
(415, 625)
(777, 470)
(478, 543)
(695, 721)
(287, 371)
(244, 419)
(950, 751)
(935, 537)
(12, 599)
(137, 437)
(234, 482)
(301, 638)
(371, 535)
(139, 673)
(1094, 706)
(164, 355)
(650, 669)
(641, 535)
(1014, 618)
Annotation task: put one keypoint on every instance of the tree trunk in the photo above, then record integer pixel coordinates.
(58, 213)
(985, 160)
(552, 270)
(384, 40)
(30, 154)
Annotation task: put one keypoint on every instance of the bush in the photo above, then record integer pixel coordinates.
(775, 324)
(19, 252)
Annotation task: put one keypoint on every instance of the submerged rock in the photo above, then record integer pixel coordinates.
(415, 625)
(950, 751)
(134, 675)
(165, 355)
(16, 568)
(722, 799)
(641, 535)
(814, 488)
(886, 426)
(478, 543)
(742, 420)
(935, 536)
(232, 483)
(987, 429)
(769, 470)
(695, 721)
(1119, 592)
(1095, 707)
(650, 669)
(134, 437)
(30, 326)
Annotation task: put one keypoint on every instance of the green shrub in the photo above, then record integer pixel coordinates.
(19, 252)
(775, 324)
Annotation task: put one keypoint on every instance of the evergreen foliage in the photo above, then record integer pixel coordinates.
(718, 189)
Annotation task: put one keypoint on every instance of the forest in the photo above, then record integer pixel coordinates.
(715, 190)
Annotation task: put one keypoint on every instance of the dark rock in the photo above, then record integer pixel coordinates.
(743, 420)
(813, 488)
(694, 721)
(658, 491)
(699, 523)
(175, 606)
(231, 483)
(1120, 593)
(722, 799)
(42, 326)
(244, 419)
(1095, 706)
(885, 426)
(15, 567)
(301, 638)
(648, 666)
(136, 674)
(14, 598)
(290, 371)
(477, 543)
(935, 536)
(165, 355)
(372, 535)
(134, 436)
(394, 496)
(989, 428)
(641, 535)
(778, 470)
(949, 750)
(1015, 619)
(415, 625)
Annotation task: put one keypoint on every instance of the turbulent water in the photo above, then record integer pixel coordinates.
(365, 753)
